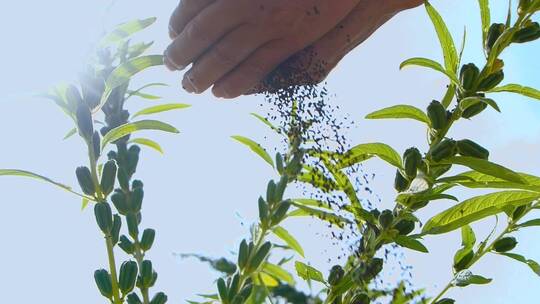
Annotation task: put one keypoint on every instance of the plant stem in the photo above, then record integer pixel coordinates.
(112, 266)
(448, 286)
(139, 256)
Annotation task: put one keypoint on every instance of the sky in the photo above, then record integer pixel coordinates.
(201, 195)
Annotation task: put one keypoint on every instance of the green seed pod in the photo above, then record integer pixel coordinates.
(244, 293)
(530, 33)
(401, 183)
(495, 31)
(445, 301)
(133, 159)
(404, 227)
(263, 210)
(123, 179)
(222, 289)
(505, 244)
(243, 254)
(280, 212)
(386, 218)
(470, 148)
(233, 287)
(280, 188)
(119, 201)
(85, 180)
(260, 256)
(108, 177)
(127, 277)
(103, 282)
(96, 143)
(279, 163)
(270, 192)
(133, 298)
(115, 231)
(361, 298)
(85, 123)
(375, 212)
(136, 199)
(126, 245)
(133, 225)
(159, 298)
(103, 214)
(437, 115)
(146, 273)
(336, 274)
(412, 160)
(519, 211)
(147, 239)
(154, 279)
(443, 150)
(468, 76)
(463, 263)
(137, 184)
(375, 267)
(491, 81)
(474, 110)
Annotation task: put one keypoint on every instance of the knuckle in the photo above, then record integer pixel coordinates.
(223, 55)
(194, 32)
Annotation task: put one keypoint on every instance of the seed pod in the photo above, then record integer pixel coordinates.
(123, 179)
(154, 279)
(103, 282)
(243, 254)
(146, 273)
(119, 201)
(361, 298)
(147, 239)
(270, 192)
(444, 149)
(222, 289)
(96, 144)
(127, 277)
(336, 274)
(375, 267)
(103, 214)
(259, 257)
(115, 231)
(133, 225)
(474, 110)
(401, 183)
(245, 292)
(505, 244)
(137, 184)
(445, 301)
(85, 180)
(463, 263)
(233, 287)
(404, 227)
(126, 245)
(133, 298)
(136, 199)
(280, 212)
(468, 76)
(529, 33)
(159, 298)
(494, 32)
(85, 123)
(470, 148)
(280, 188)
(108, 177)
(279, 163)
(412, 160)
(386, 218)
(263, 210)
(133, 159)
(518, 212)
(437, 115)
(491, 81)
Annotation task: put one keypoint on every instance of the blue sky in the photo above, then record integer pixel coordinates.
(204, 188)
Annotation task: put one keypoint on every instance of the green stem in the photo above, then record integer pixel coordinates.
(139, 256)
(448, 287)
(112, 266)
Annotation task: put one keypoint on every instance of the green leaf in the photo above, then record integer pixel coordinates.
(466, 277)
(470, 101)
(400, 111)
(255, 147)
(70, 133)
(518, 89)
(133, 127)
(410, 243)
(85, 202)
(318, 179)
(428, 63)
(445, 38)
(278, 273)
(284, 235)
(23, 173)
(449, 95)
(143, 95)
(125, 30)
(486, 167)
(364, 152)
(468, 238)
(138, 49)
(323, 215)
(481, 180)
(475, 209)
(485, 16)
(531, 263)
(139, 93)
(531, 223)
(161, 108)
(147, 142)
(265, 280)
(311, 203)
(308, 273)
(265, 121)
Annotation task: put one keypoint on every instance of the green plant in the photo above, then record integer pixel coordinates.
(104, 92)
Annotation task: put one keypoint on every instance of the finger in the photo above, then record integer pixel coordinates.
(200, 33)
(234, 48)
(185, 12)
(253, 69)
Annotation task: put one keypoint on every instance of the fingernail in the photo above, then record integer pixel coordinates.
(188, 84)
(221, 92)
(170, 64)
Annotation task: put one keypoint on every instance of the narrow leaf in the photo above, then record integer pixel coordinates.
(133, 127)
(518, 89)
(139, 90)
(265, 121)
(278, 273)
(486, 167)
(485, 16)
(147, 142)
(445, 38)
(307, 272)
(531, 263)
(161, 108)
(531, 223)
(410, 243)
(470, 101)
(70, 133)
(481, 180)
(23, 173)
(285, 236)
(323, 215)
(400, 111)
(255, 147)
(364, 152)
(125, 30)
(428, 63)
